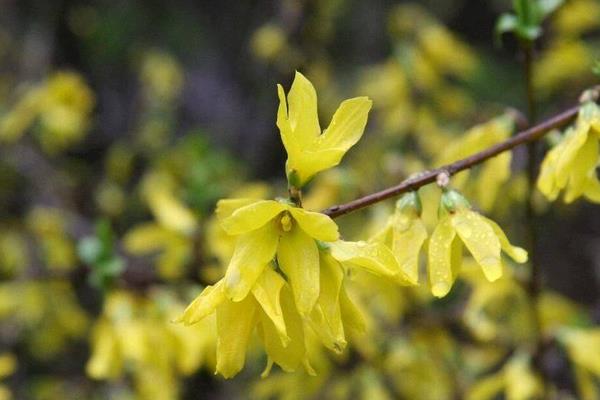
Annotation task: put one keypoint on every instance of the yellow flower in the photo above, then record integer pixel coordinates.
(270, 307)
(483, 238)
(571, 165)
(303, 247)
(405, 234)
(309, 151)
(583, 346)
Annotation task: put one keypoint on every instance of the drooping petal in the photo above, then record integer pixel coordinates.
(235, 324)
(373, 257)
(204, 304)
(298, 258)
(408, 239)
(253, 251)
(267, 291)
(570, 147)
(226, 207)
(546, 182)
(251, 217)
(516, 253)
(587, 159)
(316, 225)
(303, 117)
(479, 237)
(441, 276)
(347, 125)
(353, 318)
(290, 357)
(326, 316)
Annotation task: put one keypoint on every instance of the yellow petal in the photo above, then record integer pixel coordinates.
(293, 355)
(204, 304)
(309, 162)
(302, 102)
(516, 253)
(373, 257)
(408, 239)
(235, 324)
(480, 239)
(440, 258)
(587, 159)
(546, 182)
(252, 216)
(353, 318)
(570, 147)
(253, 251)
(347, 125)
(266, 291)
(326, 316)
(316, 225)
(298, 258)
(146, 238)
(226, 207)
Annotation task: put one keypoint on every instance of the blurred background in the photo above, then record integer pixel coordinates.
(123, 122)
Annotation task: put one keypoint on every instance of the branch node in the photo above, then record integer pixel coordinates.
(443, 179)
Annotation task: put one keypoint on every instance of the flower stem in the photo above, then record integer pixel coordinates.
(427, 177)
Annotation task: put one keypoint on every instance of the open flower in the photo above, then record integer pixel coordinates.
(483, 238)
(571, 165)
(269, 229)
(310, 151)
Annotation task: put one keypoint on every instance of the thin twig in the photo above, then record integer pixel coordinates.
(426, 177)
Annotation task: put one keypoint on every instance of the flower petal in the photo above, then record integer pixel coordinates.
(373, 257)
(298, 258)
(203, 305)
(347, 125)
(303, 117)
(226, 207)
(235, 324)
(253, 251)
(267, 291)
(516, 253)
(406, 245)
(316, 225)
(480, 239)
(441, 276)
(290, 357)
(326, 316)
(252, 216)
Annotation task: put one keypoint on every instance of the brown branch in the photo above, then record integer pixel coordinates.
(426, 177)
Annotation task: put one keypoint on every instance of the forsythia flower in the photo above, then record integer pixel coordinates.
(483, 238)
(571, 165)
(254, 294)
(405, 234)
(310, 151)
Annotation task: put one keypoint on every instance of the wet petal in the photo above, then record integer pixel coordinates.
(406, 245)
(516, 253)
(373, 257)
(479, 237)
(226, 207)
(302, 102)
(441, 276)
